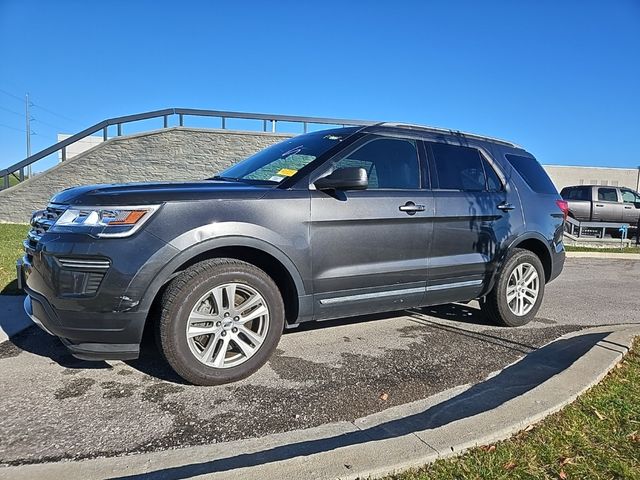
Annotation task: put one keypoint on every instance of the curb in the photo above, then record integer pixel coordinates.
(609, 255)
(399, 438)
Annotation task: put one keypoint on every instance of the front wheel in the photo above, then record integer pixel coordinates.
(221, 320)
(517, 294)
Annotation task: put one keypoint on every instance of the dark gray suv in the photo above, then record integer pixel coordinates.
(328, 224)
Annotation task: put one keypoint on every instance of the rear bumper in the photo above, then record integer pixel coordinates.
(97, 341)
(557, 261)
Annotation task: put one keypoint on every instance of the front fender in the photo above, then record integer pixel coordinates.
(155, 279)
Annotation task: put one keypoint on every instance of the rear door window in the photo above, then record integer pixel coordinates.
(458, 168)
(607, 195)
(532, 173)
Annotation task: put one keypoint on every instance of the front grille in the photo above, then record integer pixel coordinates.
(75, 276)
(41, 221)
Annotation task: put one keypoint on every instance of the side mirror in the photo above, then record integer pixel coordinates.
(344, 179)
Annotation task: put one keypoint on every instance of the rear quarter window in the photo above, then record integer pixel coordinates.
(532, 173)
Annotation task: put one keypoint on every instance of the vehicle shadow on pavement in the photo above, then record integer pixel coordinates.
(514, 381)
(38, 342)
(450, 311)
(151, 362)
(458, 312)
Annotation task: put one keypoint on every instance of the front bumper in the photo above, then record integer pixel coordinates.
(41, 313)
(107, 324)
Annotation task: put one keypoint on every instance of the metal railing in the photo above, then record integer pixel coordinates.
(17, 170)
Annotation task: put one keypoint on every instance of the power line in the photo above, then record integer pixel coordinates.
(53, 113)
(12, 128)
(12, 95)
(11, 111)
(37, 120)
(37, 105)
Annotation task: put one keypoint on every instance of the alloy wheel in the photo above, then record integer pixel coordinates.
(227, 325)
(523, 289)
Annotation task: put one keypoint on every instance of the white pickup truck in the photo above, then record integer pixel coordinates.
(596, 203)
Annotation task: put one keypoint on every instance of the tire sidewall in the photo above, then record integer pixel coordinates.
(175, 319)
(507, 316)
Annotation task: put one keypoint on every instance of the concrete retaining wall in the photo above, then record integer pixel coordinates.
(169, 154)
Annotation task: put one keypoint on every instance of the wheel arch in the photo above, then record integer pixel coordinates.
(261, 254)
(537, 245)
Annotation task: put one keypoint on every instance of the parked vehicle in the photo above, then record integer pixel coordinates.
(593, 203)
(329, 224)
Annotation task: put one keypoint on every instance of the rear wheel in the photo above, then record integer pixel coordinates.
(221, 320)
(518, 292)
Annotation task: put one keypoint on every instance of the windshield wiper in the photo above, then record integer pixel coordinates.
(226, 179)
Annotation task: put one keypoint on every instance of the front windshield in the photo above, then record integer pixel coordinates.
(284, 159)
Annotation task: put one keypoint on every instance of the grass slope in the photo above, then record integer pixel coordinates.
(11, 237)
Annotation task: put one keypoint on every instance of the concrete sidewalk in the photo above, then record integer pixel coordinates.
(395, 439)
(13, 320)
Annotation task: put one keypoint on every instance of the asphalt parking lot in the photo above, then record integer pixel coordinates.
(53, 406)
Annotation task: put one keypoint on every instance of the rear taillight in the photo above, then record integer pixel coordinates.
(564, 206)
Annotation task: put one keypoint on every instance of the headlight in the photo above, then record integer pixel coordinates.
(105, 221)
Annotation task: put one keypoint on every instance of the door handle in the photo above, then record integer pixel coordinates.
(411, 208)
(628, 208)
(505, 207)
(599, 205)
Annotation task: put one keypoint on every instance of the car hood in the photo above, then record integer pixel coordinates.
(158, 192)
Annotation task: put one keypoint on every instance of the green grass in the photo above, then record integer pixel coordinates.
(11, 237)
(572, 248)
(596, 437)
(14, 179)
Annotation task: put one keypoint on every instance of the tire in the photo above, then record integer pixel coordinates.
(503, 312)
(198, 320)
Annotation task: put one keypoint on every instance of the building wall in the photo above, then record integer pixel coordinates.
(564, 176)
(80, 146)
(169, 154)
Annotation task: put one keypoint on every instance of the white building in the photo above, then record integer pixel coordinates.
(80, 146)
(563, 176)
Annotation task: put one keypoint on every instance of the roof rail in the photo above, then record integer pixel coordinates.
(449, 131)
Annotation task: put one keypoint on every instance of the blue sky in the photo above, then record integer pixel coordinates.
(560, 77)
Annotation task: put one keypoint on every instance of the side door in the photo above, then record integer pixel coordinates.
(370, 248)
(630, 206)
(607, 207)
(474, 213)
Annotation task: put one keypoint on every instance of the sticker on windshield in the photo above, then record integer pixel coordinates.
(276, 178)
(287, 172)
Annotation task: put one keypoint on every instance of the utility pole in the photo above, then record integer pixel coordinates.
(28, 120)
